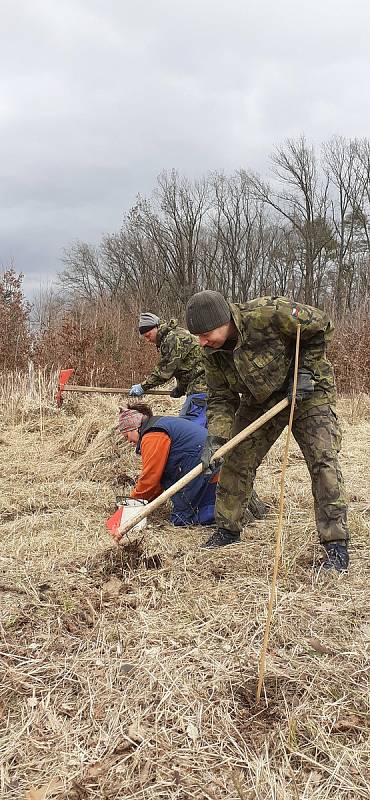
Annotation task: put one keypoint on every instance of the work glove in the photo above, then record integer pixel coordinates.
(136, 390)
(211, 444)
(176, 392)
(305, 385)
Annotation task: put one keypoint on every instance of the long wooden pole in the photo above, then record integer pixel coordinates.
(199, 468)
(262, 659)
(109, 390)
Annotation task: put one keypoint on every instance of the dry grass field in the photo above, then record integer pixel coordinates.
(131, 672)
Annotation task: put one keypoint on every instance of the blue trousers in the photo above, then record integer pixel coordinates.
(195, 504)
(195, 409)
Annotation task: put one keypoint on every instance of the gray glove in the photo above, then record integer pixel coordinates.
(305, 385)
(211, 444)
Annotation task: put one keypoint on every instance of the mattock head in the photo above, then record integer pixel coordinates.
(113, 524)
(64, 377)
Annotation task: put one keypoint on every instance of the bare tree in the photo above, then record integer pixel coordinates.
(300, 198)
(82, 274)
(173, 224)
(237, 222)
(341, 165)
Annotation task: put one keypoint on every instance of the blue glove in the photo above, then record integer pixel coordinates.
(136, 390)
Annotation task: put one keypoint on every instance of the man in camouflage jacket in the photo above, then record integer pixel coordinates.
(249, 356)
(180, 358)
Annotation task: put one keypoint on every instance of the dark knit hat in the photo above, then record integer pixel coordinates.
(206, 311)
(147, 321)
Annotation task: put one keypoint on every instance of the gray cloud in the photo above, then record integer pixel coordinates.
(96, 98)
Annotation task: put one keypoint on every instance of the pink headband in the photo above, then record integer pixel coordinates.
(130, 420)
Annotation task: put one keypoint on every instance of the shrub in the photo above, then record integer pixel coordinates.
(350, 354)
(100, 341)
(15, 339)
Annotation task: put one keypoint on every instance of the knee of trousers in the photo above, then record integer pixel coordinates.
(327, 482)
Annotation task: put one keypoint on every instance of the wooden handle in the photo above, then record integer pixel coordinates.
(110, 390)
(199, 468)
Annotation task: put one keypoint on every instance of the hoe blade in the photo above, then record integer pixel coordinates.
(114, 522)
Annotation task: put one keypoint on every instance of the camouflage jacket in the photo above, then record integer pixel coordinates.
(181, 357)
(262, 360)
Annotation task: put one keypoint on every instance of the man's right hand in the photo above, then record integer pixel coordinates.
(136, 390)
(210, 446)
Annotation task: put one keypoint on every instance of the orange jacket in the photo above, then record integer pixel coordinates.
(155, 448)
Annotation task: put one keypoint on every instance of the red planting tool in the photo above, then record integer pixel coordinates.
(65, 375)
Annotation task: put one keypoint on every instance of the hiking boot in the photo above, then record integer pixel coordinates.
(336, 556)
(257, 507)
(220, 538)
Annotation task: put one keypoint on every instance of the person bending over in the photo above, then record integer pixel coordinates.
(180, 357)
(249, 359)
(170, 447)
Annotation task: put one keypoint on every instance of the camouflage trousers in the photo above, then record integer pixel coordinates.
(318, 435)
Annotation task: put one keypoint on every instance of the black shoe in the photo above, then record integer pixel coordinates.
(220, 538)
(257, 507)
(337, 556)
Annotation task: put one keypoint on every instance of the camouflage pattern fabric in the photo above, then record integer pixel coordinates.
(257, 366)
(181, 357)
(318, 435)
(263, 356)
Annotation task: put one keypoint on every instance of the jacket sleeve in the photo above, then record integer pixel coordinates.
(222, 403)
(316, 330)
(169, 361)
(155, 448)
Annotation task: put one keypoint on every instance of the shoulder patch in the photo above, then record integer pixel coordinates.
(304, 315)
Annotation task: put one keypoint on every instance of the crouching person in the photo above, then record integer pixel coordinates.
(170, 447)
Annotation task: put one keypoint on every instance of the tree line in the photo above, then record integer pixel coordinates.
(303, 232)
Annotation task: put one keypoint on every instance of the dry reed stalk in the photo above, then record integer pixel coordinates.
(19, 395)
(262, 660)
(40, 406)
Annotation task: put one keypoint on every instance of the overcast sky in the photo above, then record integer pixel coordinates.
(99, 96)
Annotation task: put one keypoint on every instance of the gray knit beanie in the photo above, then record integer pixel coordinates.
(206, 311)
(147, 321)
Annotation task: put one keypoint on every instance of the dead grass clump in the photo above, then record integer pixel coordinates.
(356, 408)
(101, 461)
(23, 393)
(83, 433)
